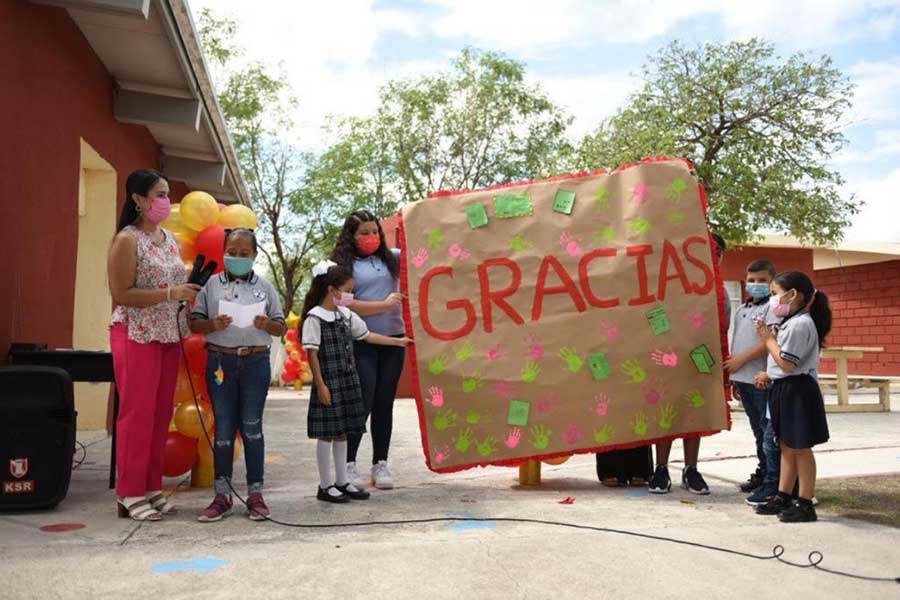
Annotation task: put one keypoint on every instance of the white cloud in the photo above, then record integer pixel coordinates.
(877, 220)
(589, 98)
(877, 94)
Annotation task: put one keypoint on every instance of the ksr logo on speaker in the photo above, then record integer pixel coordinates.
(18, 467)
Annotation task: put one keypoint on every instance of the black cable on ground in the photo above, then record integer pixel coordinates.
(77, 463)
(814, 558)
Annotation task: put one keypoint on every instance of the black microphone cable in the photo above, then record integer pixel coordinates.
(814, 558)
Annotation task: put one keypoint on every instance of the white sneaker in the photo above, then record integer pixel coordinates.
(353, 475)
(381, 476)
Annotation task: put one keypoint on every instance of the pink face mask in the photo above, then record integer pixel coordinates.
(345, 300)
(159, 210)
(778, 309)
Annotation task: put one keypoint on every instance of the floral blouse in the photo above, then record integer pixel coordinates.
(159, 265)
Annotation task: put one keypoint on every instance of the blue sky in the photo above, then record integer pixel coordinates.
(585, 54)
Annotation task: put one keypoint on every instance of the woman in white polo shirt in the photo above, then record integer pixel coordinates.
(238, 371)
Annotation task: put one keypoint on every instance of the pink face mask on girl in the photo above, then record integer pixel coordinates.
(159, 210)
(778, 309)
(344, 300)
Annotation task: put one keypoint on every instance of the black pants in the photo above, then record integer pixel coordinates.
(379, 370)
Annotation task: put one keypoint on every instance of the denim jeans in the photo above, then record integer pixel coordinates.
(379, 369)
(238, 404)
(754, 402)
(773, 456)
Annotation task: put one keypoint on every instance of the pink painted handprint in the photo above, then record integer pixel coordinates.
(496, 353)
(437, 397)
(602, 407)
(546, 404)
(570, 244)
(535, 348)
(442, 455)
(639, 193)
(611, 331)
(458, 252)
(505, 390)
(420, 257)
(665, 359)
(696, 320)
(654, 392)
(514, 437)
(573, 434)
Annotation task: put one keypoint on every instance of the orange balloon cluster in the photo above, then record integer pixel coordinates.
(199, 223)
(296, 365)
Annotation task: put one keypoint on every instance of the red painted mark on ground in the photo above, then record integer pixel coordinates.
(62, 527)
(568, 500)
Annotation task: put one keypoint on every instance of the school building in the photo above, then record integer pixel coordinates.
(92, 90)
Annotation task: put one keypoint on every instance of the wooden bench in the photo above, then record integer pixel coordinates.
(855, 382)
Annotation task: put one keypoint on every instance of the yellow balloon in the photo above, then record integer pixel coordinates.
(204, 452)
(187, 419)
(237, 215)
(203, 474)
(199, 210)
(292, 320)
(298, 385)
(306, 377)
(238, 447)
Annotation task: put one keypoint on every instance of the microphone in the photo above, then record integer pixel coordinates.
(200, 274)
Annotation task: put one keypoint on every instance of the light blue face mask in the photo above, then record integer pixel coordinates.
(758, 290)
(239, 265)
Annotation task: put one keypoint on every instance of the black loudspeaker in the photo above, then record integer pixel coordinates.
(37, 436)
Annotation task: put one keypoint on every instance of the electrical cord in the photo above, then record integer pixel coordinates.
(814, 558)
(77, 463)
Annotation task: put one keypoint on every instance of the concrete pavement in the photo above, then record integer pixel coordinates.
(181, 558)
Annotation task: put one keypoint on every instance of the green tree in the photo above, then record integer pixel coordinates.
(257, 106)
(760, 131)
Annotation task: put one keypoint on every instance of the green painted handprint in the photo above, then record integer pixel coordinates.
(530, 371)
(445, 419)
(676, 189)
(572, 360)
(606, 235)
(435, 240)
(676, 218)
(640, 424)
(488, 446)
(604, 435)
(640, 226)
(473, 382)
(437, 366)
(473, 417)
(602, 197)
(466, 352)
(695, 399)
(518, 242)
(667, 414)
(464, 440)
(633, 370)
(540, 437)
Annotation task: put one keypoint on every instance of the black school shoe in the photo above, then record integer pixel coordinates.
(353, 494)
(802, 511)
(751, 484)
(324, 496)
(775, 506)
(660, 483)
(693, 481)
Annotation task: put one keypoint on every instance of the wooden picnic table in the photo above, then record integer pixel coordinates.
(841, 355)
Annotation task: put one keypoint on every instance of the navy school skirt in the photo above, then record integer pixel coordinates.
(798, 412)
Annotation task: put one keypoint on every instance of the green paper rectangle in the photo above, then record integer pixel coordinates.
(599, 366)
(477, 215)
(508, 206)
(659, 321)
(564, 202)
(518, 413)
(703, 359)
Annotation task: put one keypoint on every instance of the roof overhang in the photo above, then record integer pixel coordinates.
(151, 49)
(844, 254)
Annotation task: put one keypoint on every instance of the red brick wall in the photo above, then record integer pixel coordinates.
(866, 304)
(734, 265)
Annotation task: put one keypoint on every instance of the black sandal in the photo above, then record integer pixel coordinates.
(324, 496)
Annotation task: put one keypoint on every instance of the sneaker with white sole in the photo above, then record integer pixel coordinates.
(660, 483)
(353, 475)
(381, 476)
(693, 481)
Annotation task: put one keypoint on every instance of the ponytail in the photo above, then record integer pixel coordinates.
(815, 300)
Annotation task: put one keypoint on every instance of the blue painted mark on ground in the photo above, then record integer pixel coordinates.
(467, 525)
(636, 493)
(203, 564)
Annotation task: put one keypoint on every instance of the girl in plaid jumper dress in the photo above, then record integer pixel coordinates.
(336, 407)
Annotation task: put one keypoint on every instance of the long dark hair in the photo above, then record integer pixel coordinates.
(336, 276)
(140, 182)
(345, 249)
(819, 309)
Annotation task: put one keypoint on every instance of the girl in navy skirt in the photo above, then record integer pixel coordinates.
(795, 400)
(336, 407)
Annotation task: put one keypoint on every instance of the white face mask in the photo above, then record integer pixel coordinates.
(345, 299)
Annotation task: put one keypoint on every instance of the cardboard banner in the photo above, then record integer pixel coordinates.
(564, 316)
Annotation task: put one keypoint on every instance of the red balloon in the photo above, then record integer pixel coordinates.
(180, 454)
(195, 352)
(288, 377)
(291, 365)
(291, 335)
(211, 243)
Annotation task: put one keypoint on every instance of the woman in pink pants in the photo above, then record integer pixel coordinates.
(146, 280)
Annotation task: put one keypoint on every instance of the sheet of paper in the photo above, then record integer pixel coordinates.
(242, 314)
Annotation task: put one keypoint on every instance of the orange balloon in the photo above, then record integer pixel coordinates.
(306, 377)
(556, 461)
(188, 419)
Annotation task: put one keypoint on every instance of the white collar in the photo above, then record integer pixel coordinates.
(328, 315)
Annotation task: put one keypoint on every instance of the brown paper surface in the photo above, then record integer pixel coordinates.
(515, 322)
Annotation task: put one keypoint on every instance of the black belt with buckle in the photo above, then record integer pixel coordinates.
(240, 351)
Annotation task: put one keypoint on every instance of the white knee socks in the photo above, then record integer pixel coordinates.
(340, 462)
(323, 458)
